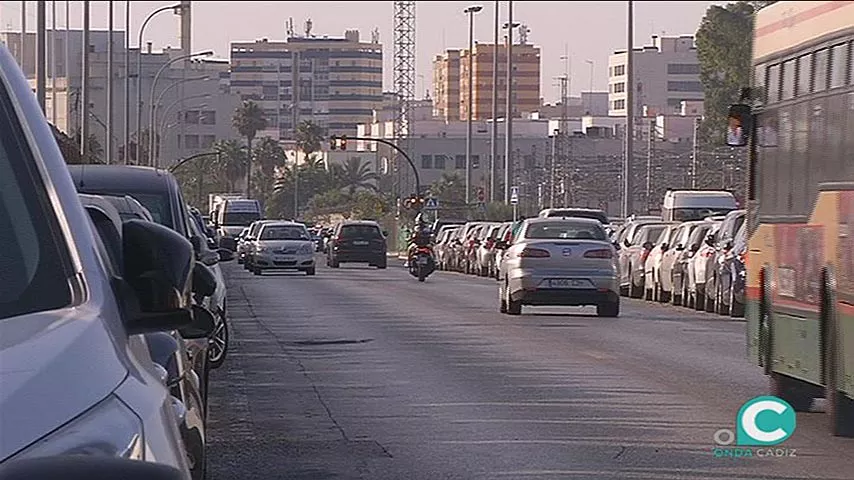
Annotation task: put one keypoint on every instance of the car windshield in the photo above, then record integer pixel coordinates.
(653, 232)
(580, 214)
(360, 231)
(691, 214)
(565, 230)
(284, 232)
(243, 219)
(32, 275)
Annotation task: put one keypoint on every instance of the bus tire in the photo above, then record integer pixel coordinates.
(791, 390)
(840, 406)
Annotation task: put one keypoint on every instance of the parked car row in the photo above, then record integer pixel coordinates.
(112, 308)
(698, 264)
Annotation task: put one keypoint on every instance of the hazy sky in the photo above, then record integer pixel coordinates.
(587, 30)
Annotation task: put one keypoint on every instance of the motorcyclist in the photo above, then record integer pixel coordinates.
(421, 237)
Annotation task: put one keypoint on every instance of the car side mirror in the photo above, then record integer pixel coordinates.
(78, 467)
(728, 245)
(626, 243)
(616, 244)
(204, 281)
(648, 245)
(680, 247)
(211, 243)
(664, 247)
(710, 241)
(694, 248)
(225, 255)
(385, 233)
(202, 326)
(158, 273)
(740, 125)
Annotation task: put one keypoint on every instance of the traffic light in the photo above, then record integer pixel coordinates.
(333, 142)
(343, 143)
(481, 195)
(338, 143)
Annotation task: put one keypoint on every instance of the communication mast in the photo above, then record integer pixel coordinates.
(404, 88)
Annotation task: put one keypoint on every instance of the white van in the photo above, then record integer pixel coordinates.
(690, 205)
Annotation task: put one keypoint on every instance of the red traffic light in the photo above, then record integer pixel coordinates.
(333, 143)
(343, 143)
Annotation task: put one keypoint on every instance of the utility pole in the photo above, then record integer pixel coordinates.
(127, 83)
(24, 37)
(694, 155)
(563, 138)
(84, 96)
(649, 144)
(41, 57)
(508, 112)
(630, 117)
(493, 161)
(109, 142)
(469, 115)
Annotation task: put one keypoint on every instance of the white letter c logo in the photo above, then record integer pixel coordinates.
(748, 421)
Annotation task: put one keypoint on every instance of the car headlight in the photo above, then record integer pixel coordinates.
(110, 429)
(306, 249)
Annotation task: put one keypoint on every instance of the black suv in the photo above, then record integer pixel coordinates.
(357, 242)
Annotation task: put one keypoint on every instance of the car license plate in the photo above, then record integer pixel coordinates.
(422, 260)
(360, 242)
(284, 258)
(569, 283)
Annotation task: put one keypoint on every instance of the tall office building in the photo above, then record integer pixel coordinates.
(666, 73)
(451, 79)
(338, 81)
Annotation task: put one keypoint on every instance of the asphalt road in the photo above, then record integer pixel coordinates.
(365, 373)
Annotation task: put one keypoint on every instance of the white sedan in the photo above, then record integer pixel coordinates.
(560, 261)
(283, 245)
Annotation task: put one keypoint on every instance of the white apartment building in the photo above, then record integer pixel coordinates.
(666, 73)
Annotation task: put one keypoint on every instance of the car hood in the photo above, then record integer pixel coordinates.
(233, 231)
(53, 367)
(276, 244)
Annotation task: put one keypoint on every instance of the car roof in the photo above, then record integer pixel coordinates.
(282, 223)
(359, 222)
(568, 219)
(129, 178)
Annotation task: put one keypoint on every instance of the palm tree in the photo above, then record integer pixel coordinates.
(248, 119)
(309, 137)
(232, 161)
(355, 174)
(450, 189)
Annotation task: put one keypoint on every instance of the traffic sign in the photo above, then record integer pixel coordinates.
(431, 204)
(514, 195)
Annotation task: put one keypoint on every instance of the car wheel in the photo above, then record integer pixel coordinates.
(334, 264)
(218, 345)
(383, 264)
(256, 271)
(513, 307)
(310, 271)
(699, 297)
(736, 309)
(502, 302)
(608, 309)
(196, 456)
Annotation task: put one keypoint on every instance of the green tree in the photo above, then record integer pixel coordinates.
(724, 49)
(96, 151)
(248, 119)
(232, 162)
(354, 174)
(309, 137)
(450, 189)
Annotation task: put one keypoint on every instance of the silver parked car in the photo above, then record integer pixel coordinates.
(76, 373)
(560, 261)
(283, 245)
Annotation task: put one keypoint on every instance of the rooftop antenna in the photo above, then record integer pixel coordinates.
(523, 34)
(375, 35)
(308, 25)
(289, 27)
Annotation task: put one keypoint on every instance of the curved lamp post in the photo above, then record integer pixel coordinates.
(166, 65)
(470, 11)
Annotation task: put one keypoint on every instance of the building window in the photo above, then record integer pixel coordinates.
(774, 83)
(191, 117)
(820, 70)
(804, 75)
(683, 69)
(208, 117)
(619, 70)
(460, 162)
(619, 104)
(439, 162)
(682, 86)
(838, 65)
(788, 87)
(426, 161)
(620, 87)
(208, 141)
(191, 141)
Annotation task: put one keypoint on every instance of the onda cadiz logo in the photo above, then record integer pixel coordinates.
(762, 422)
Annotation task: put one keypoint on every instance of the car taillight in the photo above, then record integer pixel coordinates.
(534, 253)
(471, 243)
(599, 253)
(708, 253)
(644, 256)
(490, 243)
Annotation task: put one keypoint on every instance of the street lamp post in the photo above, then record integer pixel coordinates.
(175, 9)
(163, 68)
(508, 111)
(470, 11)
(494, 132)
(161, 127)
(590, 91)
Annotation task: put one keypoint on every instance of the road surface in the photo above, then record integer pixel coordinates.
(365, 373)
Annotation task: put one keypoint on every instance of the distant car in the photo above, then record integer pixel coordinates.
(591, 213)
(283, 245)
(359, 241)
(560, 261)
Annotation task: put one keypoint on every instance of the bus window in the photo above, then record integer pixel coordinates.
(787, 91)
(759, 83)
(767, 166)
(801, 168)
(784, 161)
(820, 157)
(820, 63)
(804, 75)
(774, 84)
(838, 65)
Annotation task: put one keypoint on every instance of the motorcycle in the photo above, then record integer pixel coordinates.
(423, 264)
